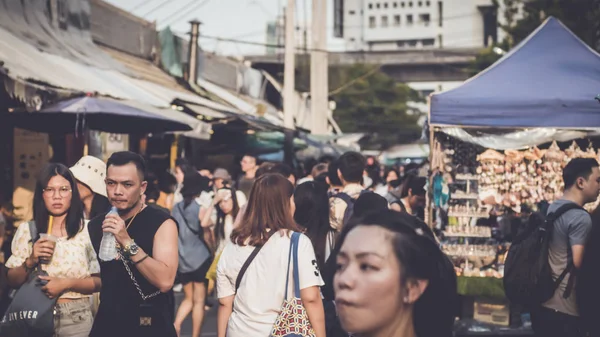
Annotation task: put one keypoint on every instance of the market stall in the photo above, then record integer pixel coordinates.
(498, 146)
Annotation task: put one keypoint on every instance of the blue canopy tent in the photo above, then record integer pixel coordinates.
(550, 80)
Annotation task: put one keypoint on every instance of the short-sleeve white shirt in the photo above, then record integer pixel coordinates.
(261, 293)
(72, 258)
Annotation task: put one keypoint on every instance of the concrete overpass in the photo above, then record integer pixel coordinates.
(408, 66)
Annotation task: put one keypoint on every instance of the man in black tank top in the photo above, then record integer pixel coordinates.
(147, 243)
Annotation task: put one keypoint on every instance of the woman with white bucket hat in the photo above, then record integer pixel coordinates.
(90, 173)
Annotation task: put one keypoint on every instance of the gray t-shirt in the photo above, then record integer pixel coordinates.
(572, 228)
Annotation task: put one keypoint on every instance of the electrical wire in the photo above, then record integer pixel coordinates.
(351, 82)
(234, 40)
(187, 9)
(140, 5)
(160, 5)
(223, 39)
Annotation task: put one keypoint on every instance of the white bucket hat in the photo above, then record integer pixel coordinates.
(91, 171)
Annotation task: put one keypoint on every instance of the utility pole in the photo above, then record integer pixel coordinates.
(289, 105)
(319, 65)
(193, 53)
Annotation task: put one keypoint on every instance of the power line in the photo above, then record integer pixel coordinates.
(234, 40)
(250, 34)
(223, 39)
(160, 5)
(351, 82)
(188, 8)
(140, 5)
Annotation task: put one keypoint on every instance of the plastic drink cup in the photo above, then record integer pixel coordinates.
(52, 239)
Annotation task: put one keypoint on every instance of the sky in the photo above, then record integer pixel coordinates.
(233, 19)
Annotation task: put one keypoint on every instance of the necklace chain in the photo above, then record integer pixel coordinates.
(130, 222)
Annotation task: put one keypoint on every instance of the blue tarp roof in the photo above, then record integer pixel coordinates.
(549, 80)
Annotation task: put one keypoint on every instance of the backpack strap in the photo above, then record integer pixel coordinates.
(33, 232)
(344, 196)
(560, 211)
(246, 265)
(399, 203)
(181, 210)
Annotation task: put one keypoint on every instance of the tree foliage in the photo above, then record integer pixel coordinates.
(483, 60)
(522, 17)
(372, 102)
(580, 16)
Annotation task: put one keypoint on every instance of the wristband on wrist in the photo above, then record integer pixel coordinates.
(141, 260)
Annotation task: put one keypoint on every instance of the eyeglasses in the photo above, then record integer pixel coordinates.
(62, 191)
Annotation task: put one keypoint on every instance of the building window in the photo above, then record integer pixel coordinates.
(352, 39)
(372, 22)
(400, 43)
(427, 3)
(410, 4)
(384, 21)
(428, 42)
(425, 18)
(396, 20)
(412, 43)
(351, 12)
(370, 6)
(378, 5)
(409, 19)
(385, 5)
(403, 4)
(420, 3)
(395, 5)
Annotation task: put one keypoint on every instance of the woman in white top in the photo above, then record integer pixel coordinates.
(254, 307)
(72, 268)
(227, 209)
(223, 210)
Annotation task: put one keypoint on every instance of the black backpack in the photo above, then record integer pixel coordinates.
(349, 204)
(528, 277)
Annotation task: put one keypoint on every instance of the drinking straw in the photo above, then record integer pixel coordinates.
(50, 221)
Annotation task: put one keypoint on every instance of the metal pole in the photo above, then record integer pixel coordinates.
(318, 68)
(429, 209)
(193, 53)
(289, 105)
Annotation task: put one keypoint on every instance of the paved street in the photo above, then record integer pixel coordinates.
(209, 328)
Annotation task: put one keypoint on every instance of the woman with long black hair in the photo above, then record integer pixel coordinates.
(222, 213)
(393, 280)
(227, 209)
(312, 213)
(67, 256)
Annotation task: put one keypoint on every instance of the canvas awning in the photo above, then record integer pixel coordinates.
(549, 80)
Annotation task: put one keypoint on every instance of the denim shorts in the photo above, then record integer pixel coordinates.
(74, 318)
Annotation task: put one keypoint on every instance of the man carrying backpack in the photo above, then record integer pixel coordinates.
(559, 315)
(350, 171)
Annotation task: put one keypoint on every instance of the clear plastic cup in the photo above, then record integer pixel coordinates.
(52, 239)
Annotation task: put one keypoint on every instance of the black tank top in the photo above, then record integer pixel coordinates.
(119, 311)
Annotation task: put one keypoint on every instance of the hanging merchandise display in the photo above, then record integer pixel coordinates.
(490, 194)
